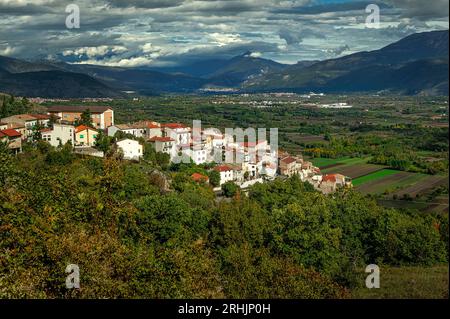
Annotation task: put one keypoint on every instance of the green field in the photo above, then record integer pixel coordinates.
(407, 283)
(344, 161)
(322, 162)
(374, 176)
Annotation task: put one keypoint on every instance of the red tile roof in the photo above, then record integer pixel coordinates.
(329, 178)
(288, 160)
(82, 128)
(173, 125)
(223, 168)
(11, 133)
(41, 116)
(199, 177)
(161, 139)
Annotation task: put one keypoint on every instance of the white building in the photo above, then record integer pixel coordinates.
(198, 154)
(28, 121)
(163, 145)
(124, 128)
(226, 173)
(179, 133)
(59, 135)
(131, 149)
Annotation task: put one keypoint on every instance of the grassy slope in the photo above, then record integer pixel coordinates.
(408, 283)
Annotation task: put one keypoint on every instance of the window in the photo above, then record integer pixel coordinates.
(95, 136)
(81, 136)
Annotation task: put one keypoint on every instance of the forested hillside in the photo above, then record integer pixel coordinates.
(146, 230)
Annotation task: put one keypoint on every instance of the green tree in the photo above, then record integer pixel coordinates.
(85, 119)
(214, 178)
(230, 189)
(103, 142)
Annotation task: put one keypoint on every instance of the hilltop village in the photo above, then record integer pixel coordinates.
(260, 162)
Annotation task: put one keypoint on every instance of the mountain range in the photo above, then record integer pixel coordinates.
(415, 65)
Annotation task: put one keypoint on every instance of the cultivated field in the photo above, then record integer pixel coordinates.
(355, 171)
(373, 177)
(423, 186)
(394, 186)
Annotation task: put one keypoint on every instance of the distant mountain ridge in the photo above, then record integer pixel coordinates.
(388, 69)
(417, 64)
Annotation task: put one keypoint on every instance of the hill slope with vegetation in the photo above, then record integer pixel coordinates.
(134, 237)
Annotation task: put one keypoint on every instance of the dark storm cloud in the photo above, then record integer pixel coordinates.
(147, 32)
(28, 9)
(422, 9)
(332, 7)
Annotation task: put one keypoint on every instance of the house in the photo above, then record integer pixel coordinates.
(102, 116)
(19, 128)
(198, 154)
(214, 138)
(289, 166)
(180, 133)
(154, 129)
(163, 145)
(131, 149)
(199, 178)
(13, 139)
(328, 184)
(148, 129)
(85, 136)
(124, 128)
(26, 123)
(331, 182)
(59, 134)
(226, 173)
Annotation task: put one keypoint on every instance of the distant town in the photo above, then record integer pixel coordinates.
(61, 125)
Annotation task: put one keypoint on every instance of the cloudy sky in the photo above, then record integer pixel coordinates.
(131, 33)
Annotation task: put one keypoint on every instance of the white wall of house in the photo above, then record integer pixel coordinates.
(227, 176)
(182, 136)
(131, 149)
(60, 135)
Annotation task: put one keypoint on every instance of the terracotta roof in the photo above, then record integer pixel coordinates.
(288, 160)
(174, 125)
(123, 126)
(223, 168)
(161, 139)
(11, 133)
(329, 178)
(41, 116)
(199, 177)
(21, 117)
(82, 128)
(78, 109)
(44, 130)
